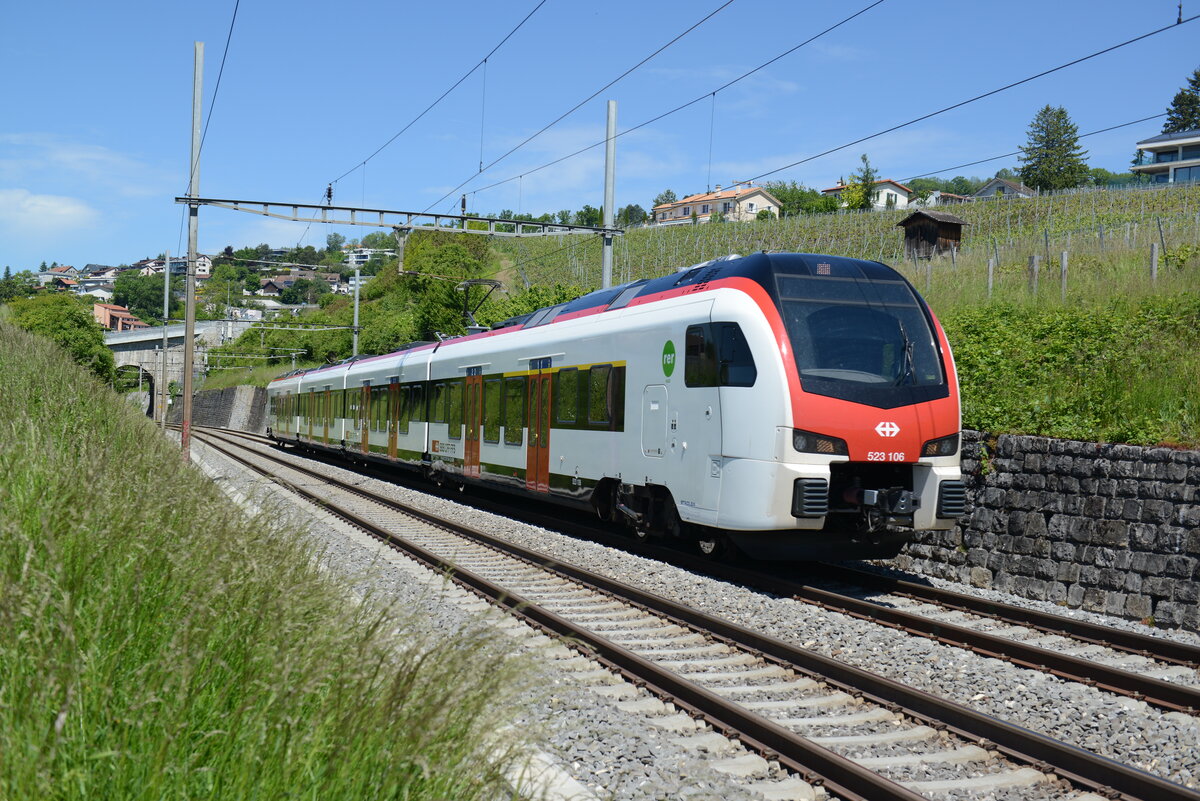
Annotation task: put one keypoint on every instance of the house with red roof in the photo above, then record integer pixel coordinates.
(116, 318)
(738, 203)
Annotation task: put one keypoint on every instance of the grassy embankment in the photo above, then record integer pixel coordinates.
(144, 654)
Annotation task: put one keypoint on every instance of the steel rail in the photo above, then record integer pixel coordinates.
(1140, 644)
(843, 777)
(1078, 765)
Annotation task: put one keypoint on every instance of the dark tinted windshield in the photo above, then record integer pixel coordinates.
(866, 340)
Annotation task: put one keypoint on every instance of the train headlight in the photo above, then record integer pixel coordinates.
(943, 446)
(808, 442)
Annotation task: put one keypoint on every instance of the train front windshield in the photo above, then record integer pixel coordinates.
(864, 340)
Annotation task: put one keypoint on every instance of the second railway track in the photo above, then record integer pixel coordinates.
(862, 735)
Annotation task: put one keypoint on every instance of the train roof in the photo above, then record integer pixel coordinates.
(760, 267)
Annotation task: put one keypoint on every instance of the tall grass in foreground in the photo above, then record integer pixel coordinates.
(154, 644)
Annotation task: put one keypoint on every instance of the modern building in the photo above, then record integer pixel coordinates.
(887, 194)
(739, 203)
(1170, 158)
(358, 257)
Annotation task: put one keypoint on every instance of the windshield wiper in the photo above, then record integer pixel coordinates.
(909, 368)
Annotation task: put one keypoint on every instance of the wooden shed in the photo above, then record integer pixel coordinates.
(929, 233)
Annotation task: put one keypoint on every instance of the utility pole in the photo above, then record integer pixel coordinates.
(610, 169)
(357, 281)
(166, 321)
(189, 326)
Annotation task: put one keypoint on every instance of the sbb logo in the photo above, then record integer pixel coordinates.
(887, 429)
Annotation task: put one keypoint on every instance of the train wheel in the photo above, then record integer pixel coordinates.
(712, 543)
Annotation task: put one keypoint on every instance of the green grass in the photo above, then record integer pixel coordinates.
(156, 644)
(249, 376)
(1123, 371)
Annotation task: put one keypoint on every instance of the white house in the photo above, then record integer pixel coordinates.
(739, 203)
(1170, 158)
(885, 194)
(360, 256)
(1002, 187)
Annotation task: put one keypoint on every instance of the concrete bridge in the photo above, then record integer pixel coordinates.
(142, 349)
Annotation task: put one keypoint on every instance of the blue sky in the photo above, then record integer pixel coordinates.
(94, 137)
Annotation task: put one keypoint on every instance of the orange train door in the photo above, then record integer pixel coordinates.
(364, 417)
(537, 457)
(326, 411)
(474, 419)
(311, 404)
(393, 416)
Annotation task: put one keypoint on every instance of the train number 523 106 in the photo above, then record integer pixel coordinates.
(884, 456)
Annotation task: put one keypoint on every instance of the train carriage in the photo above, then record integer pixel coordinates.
(793, 404)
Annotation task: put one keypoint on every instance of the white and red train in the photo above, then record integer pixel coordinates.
(796, 405)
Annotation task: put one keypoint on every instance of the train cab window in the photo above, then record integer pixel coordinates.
(514, 411)
(566, 395)
(735, 363)
(599, 399)
(717, 355)
(454, 409)
(491, 410)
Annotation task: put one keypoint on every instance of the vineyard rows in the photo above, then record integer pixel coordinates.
(1098, 225)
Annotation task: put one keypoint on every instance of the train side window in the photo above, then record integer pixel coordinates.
(491, 410)
(600, 394)
(404, 410)
(418, 403)
(700, 357)
(514, 411)
(437, 404)
(454, 409)
(735, 361)
(566, 395)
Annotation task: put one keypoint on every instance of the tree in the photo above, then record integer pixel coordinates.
(716, 217)
(666, 196)
(1184, 112)
(1052, 158)
(378, 240)
(334, 242)
(142, 294)
(19, 285)
(70, 324)
(632, 214)
(305, 290)
(795, 199)
(588, 216)
(860, 192)
(764, 214)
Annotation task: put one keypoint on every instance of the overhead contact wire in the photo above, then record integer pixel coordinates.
(978, 97)
(586, 100)
(443, 95)
(688, 104)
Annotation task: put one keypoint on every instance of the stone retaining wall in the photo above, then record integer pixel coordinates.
(242, 407)
(1107, 528)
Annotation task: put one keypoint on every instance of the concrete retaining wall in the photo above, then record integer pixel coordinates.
(1107, 528)
(244, 408)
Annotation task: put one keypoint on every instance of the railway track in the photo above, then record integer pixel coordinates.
(861, 735)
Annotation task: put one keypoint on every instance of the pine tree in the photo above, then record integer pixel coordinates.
(1052, 158)
(1184, 112)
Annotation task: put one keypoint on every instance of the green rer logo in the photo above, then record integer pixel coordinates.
(668, 358)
